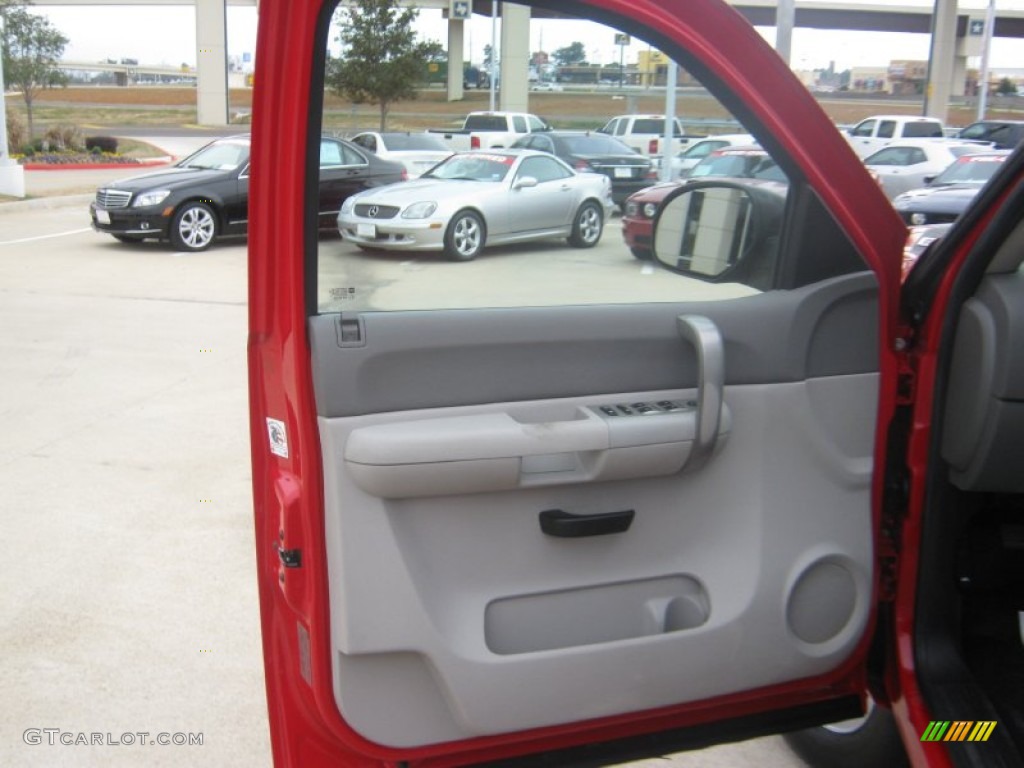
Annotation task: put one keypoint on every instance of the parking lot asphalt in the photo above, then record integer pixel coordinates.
(130, 581)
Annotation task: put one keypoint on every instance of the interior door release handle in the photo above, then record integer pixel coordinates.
(556, 522)
(707, 341)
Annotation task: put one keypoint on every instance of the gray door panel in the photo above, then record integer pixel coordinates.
(454, 614)
(408, 360)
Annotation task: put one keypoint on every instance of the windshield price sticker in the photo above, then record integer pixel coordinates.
(503, 159)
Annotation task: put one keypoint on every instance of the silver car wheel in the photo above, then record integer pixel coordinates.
(465, 236)
(194, 227)
(588, 226)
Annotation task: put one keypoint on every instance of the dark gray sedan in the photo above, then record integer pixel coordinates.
(628, 170)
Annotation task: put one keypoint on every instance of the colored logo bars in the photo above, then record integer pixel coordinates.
(958, 730)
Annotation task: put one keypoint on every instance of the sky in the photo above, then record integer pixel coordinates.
(166, 35)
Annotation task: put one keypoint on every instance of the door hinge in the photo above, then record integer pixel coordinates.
(906, 376)
(896, 489)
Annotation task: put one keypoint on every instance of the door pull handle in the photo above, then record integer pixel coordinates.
(564, 525)
(707, 341)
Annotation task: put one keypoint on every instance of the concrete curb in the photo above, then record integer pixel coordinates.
(43, 203)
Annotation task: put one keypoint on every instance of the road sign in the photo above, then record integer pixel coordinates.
(460, 9)
(621, 39)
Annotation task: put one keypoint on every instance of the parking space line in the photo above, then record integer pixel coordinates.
(45, 237)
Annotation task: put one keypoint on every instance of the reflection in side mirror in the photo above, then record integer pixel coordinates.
(722, 230)
(705, 230)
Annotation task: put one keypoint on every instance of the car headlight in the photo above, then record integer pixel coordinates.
(919, 218)
(154, 197)
(348, 204)
(419, 210)
(650, 209)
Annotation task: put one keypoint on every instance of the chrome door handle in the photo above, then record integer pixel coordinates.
(707, 341)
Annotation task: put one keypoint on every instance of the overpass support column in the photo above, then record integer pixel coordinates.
(960, 76)
(940, 60)
(515, 57)
(456, 31)
(211, 62)
(785, 20)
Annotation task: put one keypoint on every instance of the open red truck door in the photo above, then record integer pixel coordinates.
(582, 507)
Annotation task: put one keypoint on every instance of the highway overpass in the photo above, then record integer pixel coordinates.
(952, 40)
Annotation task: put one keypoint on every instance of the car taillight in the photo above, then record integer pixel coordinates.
(652, 147)
(405, 175)
(474, 142)
(582, 165)
(652, 173)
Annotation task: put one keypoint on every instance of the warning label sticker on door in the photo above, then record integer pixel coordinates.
(278, 438)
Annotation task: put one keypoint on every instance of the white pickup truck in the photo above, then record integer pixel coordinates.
(645, 133)
(490, 130)
(872, 133)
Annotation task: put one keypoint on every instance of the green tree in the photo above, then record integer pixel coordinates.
(572, 55)
(1006, 87)
(381, 60)
(31, 48)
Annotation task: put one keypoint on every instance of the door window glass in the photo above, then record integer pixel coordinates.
(536, 124)
(864, 129)
(543, 169)
(395, 247)
(330, 153)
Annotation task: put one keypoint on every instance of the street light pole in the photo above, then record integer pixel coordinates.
(4, 155)
(986, 43)
(494, 51)
(668, 140)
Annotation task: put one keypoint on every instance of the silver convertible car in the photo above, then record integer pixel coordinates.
(477, 198)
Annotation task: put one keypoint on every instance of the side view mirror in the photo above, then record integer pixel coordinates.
(722, 230)
(524, 182)
(929, 179)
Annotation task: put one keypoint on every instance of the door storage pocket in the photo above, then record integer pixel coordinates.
(597, 614)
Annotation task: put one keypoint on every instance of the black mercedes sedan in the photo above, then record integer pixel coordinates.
(628, 170)
(206, 195)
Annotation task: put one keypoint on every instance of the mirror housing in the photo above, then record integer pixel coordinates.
(525, 182)
(722, 230)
